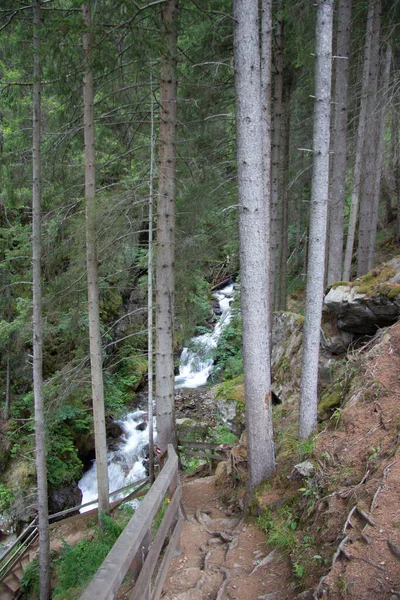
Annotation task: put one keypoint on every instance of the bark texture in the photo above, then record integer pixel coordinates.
(96, 360)
(370, 151)
(318, 220)
(253, 243)
(166, 231)
(40, 435)
(280, 302)
(339, 144)
(359, 145)
(380, 147)
(266, 92)
(275, 153)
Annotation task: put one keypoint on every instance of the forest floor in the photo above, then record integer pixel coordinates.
(222, 556)
(347, 538)
(347, 541)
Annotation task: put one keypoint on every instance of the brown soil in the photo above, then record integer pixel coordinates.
(354, 519)
(362, 463)
(221, 554)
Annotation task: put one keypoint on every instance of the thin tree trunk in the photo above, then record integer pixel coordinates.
(150, 292)
(318, 221)
(370, 153)
(359, 146)
(40, 428)
(266, 91)
(380, 147)
(7, 398)
(396, 170)
(166, 232)
(338, 180)
(283, 245)
(96, 360)
(391, 169)
(275, 155)
(253, 243)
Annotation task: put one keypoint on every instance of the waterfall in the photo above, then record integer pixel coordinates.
(126, 462)
(196, 362)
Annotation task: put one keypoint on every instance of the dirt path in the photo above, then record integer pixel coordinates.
(222, 557)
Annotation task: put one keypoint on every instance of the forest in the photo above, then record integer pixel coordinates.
(151, 154)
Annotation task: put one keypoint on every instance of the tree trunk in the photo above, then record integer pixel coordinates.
(166, 232)
(318, 221)
(253, 243)
(370, 152)
(266, 91)
(338, 180)
(359, 145)
(7, 397)
(40, 428)
(380, 148)
(275, 155)
(283, 243)
(150, 291)
(96, 360)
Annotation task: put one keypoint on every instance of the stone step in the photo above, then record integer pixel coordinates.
(11, 583)
(6, 594)
(18, 571)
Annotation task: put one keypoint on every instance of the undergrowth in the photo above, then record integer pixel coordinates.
(75, 566)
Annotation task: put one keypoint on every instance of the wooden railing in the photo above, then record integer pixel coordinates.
(29, 536)
(137, 550)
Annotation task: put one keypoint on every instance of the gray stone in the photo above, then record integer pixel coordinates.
(363, 313)
(303, 470)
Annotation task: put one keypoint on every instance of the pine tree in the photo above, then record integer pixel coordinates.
(319, 206)
(253, 250)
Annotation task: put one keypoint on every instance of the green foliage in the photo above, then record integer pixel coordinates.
(30, 581)
(6, 497)
(77, 564)
(228, 354)
(222, 435)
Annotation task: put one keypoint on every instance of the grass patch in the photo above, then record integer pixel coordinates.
(76, 565)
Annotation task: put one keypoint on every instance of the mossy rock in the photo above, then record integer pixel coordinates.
(371, 283)
(231, 390)
(328, 403)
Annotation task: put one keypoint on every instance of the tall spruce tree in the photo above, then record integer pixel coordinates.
(318, 219)
(165, 302)
(96, 353)
(40, 427)
(253, 251)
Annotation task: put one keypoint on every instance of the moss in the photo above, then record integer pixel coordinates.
(372, 281)
(394, 292)
(231, 390)
(340, 283)
(328, 403)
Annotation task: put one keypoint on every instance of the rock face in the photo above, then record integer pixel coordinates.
(287, 345)
(370, 302)
(63, 498)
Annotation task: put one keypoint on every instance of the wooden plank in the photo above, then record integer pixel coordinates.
(163, 571)
(109, 577)
(200, 454)
(201, 445)
(142, 583)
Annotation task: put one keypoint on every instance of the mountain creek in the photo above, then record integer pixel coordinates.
(328, 524)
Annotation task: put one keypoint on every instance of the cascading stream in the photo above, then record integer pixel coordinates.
(125, 463)
(196, 362)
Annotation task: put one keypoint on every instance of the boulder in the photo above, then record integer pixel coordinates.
(287, 349)
(368, 303)
(301, 471)
(63, 498)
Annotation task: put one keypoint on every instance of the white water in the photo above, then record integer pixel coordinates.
(196, 362)
(125, 464)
